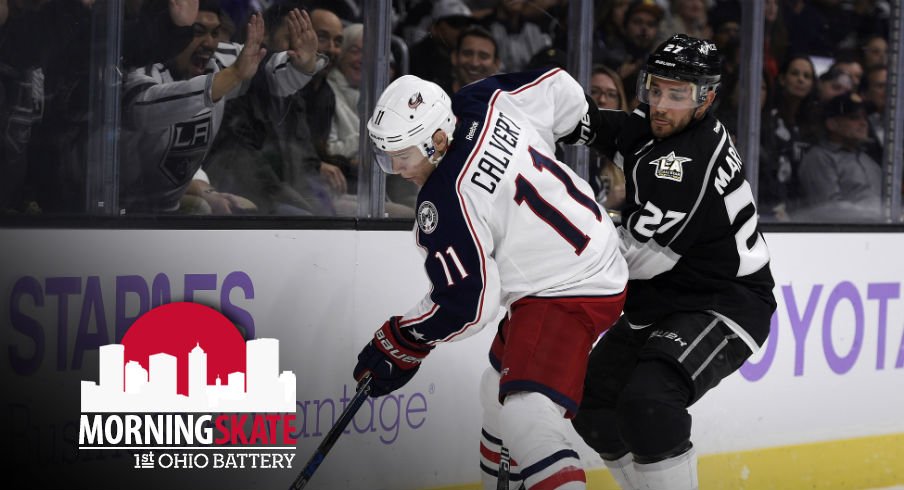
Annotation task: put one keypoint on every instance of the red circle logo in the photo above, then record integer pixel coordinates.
(176, 329)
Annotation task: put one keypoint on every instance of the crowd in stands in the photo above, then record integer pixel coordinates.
(253, 107)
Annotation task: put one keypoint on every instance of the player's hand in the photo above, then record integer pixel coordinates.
(629, 68)
(183, 12)
(226, 203)
(390, 358)
(302, 41)
(252, 52)
(334, 177)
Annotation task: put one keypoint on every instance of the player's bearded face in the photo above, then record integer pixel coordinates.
(193, 60)
(669, 111)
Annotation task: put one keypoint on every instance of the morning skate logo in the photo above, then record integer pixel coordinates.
(184, 390)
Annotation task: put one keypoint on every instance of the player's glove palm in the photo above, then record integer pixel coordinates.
(391, 358)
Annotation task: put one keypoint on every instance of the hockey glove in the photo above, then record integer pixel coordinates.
(593, 131)
(586, 132)
(392, 357)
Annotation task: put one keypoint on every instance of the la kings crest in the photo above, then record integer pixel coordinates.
(670, 167)
(427, 217)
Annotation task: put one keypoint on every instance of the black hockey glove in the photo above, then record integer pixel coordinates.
(588, 128)
(392, 358)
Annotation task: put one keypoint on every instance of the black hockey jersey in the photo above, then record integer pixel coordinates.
(689, 229)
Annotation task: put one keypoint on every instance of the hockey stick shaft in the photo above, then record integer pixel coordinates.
(363, 390)
(502, 477)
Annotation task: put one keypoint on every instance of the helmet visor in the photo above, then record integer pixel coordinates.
(667, 93)
(392, 162)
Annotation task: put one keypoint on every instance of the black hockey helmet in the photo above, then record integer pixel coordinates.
(686, 59)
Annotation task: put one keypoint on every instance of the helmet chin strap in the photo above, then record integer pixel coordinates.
(435, 158)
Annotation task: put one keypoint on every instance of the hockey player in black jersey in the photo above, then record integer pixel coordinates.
(700, 287)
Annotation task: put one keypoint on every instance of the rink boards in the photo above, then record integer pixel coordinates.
(821, 406)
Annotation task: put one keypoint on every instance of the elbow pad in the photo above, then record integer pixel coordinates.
(588, 128)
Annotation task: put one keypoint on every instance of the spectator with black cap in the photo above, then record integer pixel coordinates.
(627, 53)
(840, 181)
(725, 21)
(430, 58)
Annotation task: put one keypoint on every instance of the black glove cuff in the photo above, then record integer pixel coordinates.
(588, 127)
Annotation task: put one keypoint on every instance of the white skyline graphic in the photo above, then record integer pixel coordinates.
(128, 387)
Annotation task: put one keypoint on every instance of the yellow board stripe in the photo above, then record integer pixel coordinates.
(865, 462)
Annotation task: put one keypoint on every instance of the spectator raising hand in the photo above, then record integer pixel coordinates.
(302, 41)
(183, 12)
(173, 111)
(246, 63)
(252, 53)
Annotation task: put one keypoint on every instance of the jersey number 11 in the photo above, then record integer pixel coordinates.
(526, 192)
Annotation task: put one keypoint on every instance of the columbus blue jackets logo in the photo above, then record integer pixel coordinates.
(670, 167)
(427, 217)
(415, 100)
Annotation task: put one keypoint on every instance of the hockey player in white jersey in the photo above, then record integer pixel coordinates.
(700, 294)
(501, 223)
(173, 110)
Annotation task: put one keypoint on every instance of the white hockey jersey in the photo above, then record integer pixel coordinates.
(168, 125)
(500, 219)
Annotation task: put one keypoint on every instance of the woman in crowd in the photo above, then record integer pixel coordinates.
(787, 130)
(607, 180)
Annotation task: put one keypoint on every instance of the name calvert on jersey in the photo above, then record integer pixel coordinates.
(499, 209)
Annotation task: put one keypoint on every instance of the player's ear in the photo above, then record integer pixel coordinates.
(440, 141)
(710, 98)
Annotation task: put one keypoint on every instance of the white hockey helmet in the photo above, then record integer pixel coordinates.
(407, 114)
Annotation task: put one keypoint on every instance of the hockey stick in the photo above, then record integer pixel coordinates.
(332, 436)
(502, 477)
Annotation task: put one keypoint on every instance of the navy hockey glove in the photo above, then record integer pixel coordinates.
(392, 357)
